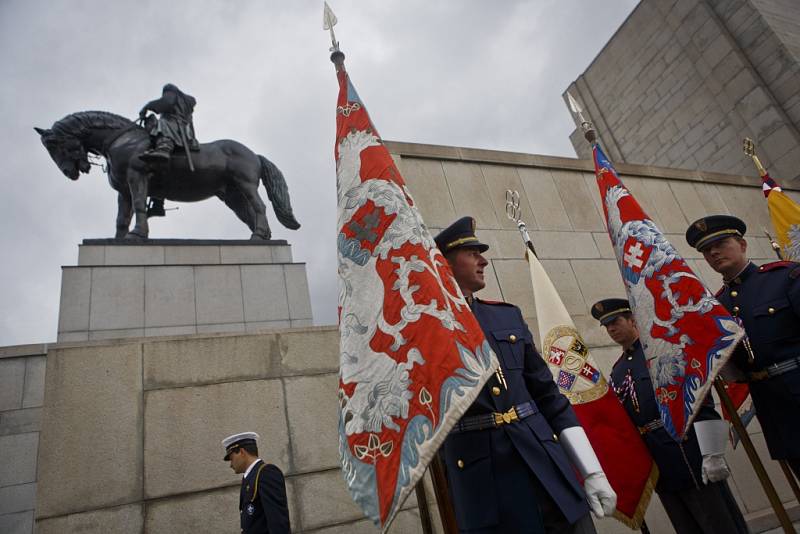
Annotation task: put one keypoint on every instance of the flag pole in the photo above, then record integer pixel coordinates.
(590, 134)
(442, 495)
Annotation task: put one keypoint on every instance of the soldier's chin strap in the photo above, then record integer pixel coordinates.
(601, 496)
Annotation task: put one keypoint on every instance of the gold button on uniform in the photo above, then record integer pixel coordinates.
(734, 293)
(771, 311)
(495, 391)
(736, 309)
(512, 338)
(460, 464)
(555, 438)
(630, 358)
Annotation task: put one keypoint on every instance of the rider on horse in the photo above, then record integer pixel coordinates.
(174, 127)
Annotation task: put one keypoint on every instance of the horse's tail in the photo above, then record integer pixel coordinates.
(278, 193)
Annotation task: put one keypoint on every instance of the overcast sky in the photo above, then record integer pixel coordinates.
(485, 74)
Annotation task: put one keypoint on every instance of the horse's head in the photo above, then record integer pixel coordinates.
(67, 152)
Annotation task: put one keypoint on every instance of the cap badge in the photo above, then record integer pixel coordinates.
(599, 306)
(701, 225)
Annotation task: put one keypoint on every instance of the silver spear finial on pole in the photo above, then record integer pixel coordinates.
(329, 20)
(588, 128)
(514, 212)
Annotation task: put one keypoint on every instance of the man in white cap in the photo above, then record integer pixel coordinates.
(262, 500)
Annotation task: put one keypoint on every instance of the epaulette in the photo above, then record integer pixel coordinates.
(775, 265)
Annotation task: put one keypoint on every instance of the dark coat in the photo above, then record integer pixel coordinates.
(489, 471)
(767, 299)
(175, 109)
(262, 501)
(679, 464)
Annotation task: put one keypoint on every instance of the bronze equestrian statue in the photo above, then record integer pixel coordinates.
(226, 169)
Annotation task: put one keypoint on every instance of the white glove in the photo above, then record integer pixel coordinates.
(599, 493)
(714, 468)
(711, 437)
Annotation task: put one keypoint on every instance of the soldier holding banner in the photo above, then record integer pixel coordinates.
(692, 473)
(767, 301)
(512, 457)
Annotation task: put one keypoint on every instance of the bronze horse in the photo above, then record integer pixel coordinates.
(226, 169)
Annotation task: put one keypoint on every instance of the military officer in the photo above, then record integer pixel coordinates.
(511, 459)
(767, 301)
(691, 482)
(262, 500)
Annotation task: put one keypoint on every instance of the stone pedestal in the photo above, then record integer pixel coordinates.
(165, 287)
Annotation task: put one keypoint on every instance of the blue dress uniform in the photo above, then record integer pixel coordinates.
(767, 300)
(511, 476)
(693, 507)
(262, 501)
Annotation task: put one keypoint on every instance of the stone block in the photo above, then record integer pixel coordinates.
(469, 192)
(196, 361)
(12, 383)
(315, 351)
(604, 247)
(748, 204)
(264, 290)
(297, 291)
(667, 208)
(578, 202)
(122, 333)
(117, 300)
(128, 519)
(220, 328)
(17, 523)
(301, 323)
(598, 279)
(33, 392)
(500, 178)
(18, 452)
(192, 255)
(72, 337)
(218, 290)
(245, 254)
(17, 498)
(169, 296)
(161, 331)
(606, 357)
(91, 255)
(213, 511)
(514, 278)
(428, 186)
(711, 198)
(193, 421)
(76, 290)
(20, 421)
(323, 499)
(563, 245)
(310, 400)
(688, 200)
(134, 255)
(406, 522)
(97, 390)
(267, 326)
(281, 254)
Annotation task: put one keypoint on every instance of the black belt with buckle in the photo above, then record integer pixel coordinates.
(495, 419)
(774, 370)
(655, 424)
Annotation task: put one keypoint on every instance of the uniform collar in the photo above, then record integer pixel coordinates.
(250, 468)
(749, 269)
(633, 348)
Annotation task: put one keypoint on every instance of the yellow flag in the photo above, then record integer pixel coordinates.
(785, 215)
